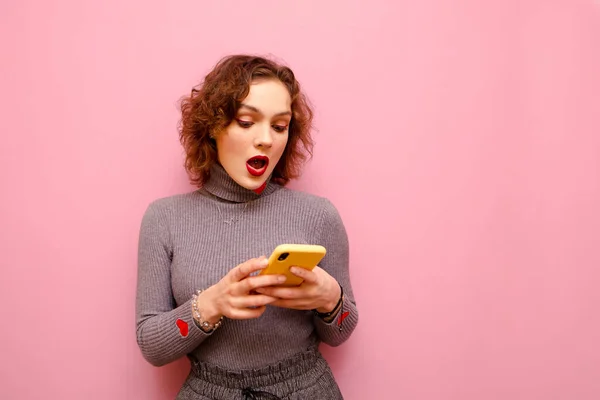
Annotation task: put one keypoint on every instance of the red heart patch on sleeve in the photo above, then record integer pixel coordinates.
(184, 329)
(343, 317)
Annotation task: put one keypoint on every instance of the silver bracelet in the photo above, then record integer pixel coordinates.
(206, 326)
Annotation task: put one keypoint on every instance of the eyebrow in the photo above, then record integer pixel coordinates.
(256, 110)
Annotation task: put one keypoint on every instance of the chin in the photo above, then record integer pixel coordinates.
(255, 185)
(251, 183)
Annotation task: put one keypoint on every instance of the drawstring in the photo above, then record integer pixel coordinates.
(251, 394)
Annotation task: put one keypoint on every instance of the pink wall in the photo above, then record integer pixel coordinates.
(459, 139)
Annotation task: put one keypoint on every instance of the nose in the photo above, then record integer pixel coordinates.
(264, 137)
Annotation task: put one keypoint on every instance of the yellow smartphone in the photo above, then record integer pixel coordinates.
(287, 255)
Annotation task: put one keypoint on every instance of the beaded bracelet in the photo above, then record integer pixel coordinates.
(206, 326)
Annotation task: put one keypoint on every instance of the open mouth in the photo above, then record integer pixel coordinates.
(257, 165)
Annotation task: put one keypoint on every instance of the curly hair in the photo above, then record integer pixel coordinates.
(213, 104)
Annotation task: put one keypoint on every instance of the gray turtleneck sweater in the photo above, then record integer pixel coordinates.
(185, 244)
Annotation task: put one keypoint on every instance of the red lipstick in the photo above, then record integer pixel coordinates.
(257, 165)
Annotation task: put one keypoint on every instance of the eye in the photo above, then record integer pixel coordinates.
(244, 124)
(280, 128)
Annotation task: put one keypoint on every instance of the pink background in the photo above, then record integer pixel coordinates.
(460, 141)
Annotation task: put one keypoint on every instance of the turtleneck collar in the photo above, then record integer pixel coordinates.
(221, 185)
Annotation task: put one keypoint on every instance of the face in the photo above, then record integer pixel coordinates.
(250, 147)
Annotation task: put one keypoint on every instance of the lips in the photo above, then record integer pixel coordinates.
(257, 165)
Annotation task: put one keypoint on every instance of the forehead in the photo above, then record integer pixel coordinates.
(269, 96)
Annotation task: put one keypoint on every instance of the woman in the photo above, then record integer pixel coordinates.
(246, 132)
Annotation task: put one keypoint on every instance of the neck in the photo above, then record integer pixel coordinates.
(221, 185)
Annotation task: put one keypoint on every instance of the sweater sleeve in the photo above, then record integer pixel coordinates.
(164, 332)
(334, 238)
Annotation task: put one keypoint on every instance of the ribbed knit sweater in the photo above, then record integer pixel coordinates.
(185, 244)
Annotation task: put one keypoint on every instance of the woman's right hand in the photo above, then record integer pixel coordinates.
(233, 296)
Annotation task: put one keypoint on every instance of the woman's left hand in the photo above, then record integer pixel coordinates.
(319, 291)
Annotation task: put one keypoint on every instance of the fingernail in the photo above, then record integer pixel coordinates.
(293, 270)
(281, 279)
(264, 262)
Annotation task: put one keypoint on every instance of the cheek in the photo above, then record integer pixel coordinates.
(281, 142)
(232, 143)
(278, 150)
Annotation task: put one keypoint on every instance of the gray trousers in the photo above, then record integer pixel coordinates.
(303, 376)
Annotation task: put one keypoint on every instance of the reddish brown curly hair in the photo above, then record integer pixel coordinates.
(213, 105)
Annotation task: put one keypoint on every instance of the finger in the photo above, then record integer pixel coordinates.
(243, 270)
(254, 282)
(256, 300)
(293, 304)
(246, 313)
(283, 293)
(308, 276)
